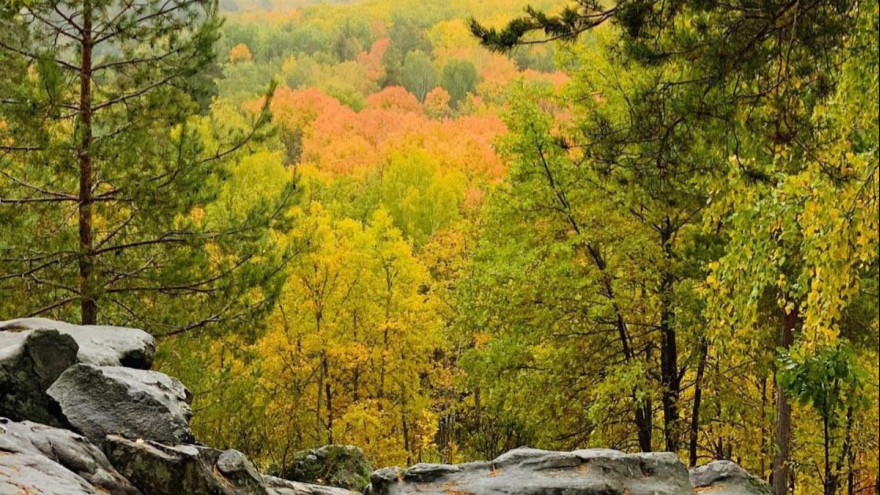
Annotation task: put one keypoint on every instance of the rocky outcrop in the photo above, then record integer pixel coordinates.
(45, 458)
(538, 472)
(344, 466)
(158, 469)
(136, 439)
(30, 361)
(98, 345)
(34, 352)
(96, 380)
(171, 470)
(102, 400)
(727, 478)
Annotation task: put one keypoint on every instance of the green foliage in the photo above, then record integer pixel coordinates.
(825, 379)
(459, 78)
(419, 74)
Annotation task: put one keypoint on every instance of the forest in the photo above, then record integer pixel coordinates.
(443, 230)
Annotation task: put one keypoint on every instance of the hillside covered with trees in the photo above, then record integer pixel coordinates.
(443, 230)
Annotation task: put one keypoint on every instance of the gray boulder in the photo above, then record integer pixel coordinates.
(278, 486)
(110, 400)
(237, 468)
(24, 474)
(344, 466)
(28, 442)
(727, 478)
(30, 361)
(98, 345)
(538, 472)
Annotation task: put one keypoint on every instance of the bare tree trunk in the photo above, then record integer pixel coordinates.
(644, 416)
(319, 423)
(765, 441)
(698, 399)
(88, 303)
(669, 380)
(669, 374)
(781, 468)
(329, 397)
(406, 445)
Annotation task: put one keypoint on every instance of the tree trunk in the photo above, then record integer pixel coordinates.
(643, 424)
(405, 426)
(765, 441)
(669, 380)
(319, 423)
(830, 480)
(698, 399)
(669, 373)
(645, 416)
(87, 293)
(781, 468)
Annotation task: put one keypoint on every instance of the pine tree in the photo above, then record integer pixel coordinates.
(109, 158)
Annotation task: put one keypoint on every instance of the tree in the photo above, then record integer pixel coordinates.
(406, 36)
(419, 74)
(828, 380)
(437, 103)
(240, 53)
(347, 353)
(459, 77)
(731, 68)
(102, 101)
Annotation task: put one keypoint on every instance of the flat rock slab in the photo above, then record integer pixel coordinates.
(98, 345)
(24, 444)
(35, 475)
(538, 472)
(30, 362)
(727, 478)
(278, 486)
(111, 400)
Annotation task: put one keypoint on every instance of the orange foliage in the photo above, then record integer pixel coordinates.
(556, 79)
(437, 103)
(496, 72)
(372, 60)
(394, 98)
(337, 140)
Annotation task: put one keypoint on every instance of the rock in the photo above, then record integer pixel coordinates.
(344, 466)
(539, 472)
(238, 469)
(102, 400)
(158, 469)
(30, 361)
(66, 449)
(98, 345)
(278, 486)
(382, 479)
(727, 478)
(23, 474)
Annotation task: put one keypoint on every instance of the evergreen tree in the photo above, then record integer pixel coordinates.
(109, 160)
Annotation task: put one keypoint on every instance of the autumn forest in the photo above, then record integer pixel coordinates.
(441, 230)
